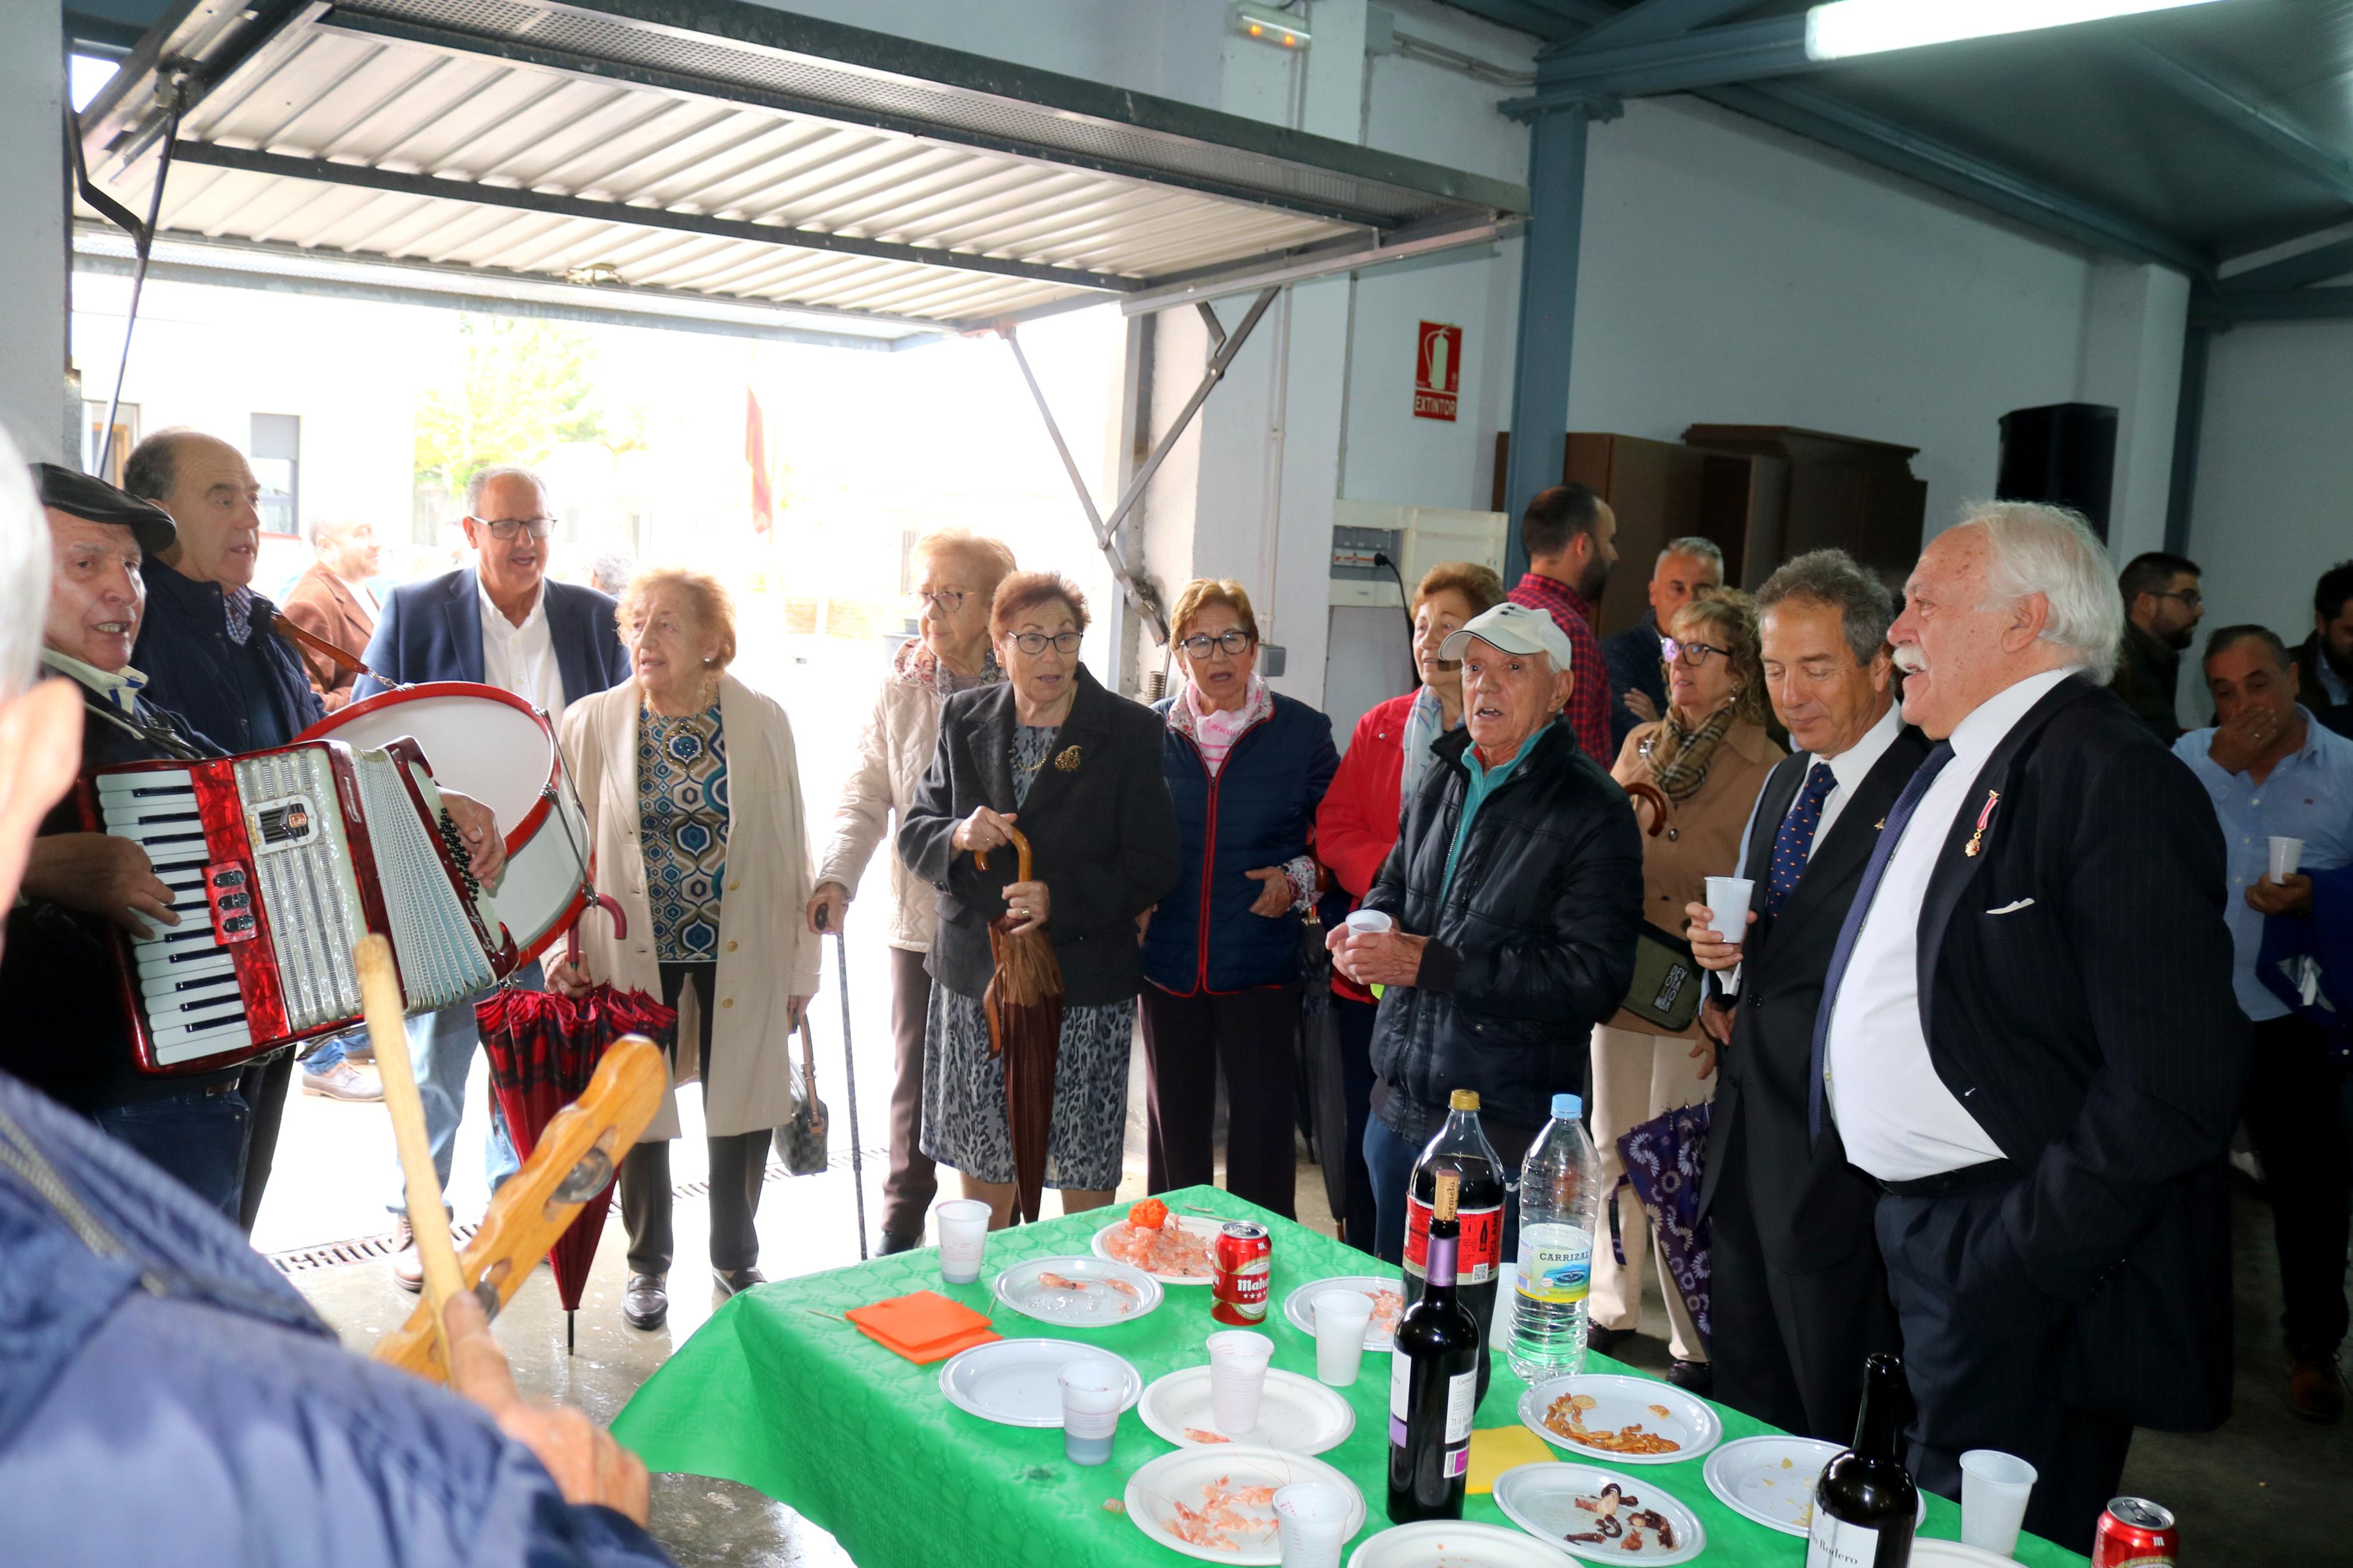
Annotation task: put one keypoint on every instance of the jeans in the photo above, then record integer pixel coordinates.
(330, 1056)
(1391, 1158)
(197, 1138)
(2299, 1107)
(441, 1047)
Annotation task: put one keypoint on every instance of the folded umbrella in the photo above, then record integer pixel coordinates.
(1024, 1007)
(543, 1048)
(1664, 1159)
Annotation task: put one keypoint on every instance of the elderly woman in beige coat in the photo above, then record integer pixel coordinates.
(958, 575)
(694, 810)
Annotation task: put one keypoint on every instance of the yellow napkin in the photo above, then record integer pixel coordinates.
(1495, 1450)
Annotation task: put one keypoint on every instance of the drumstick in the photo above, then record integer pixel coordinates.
(428, 1221)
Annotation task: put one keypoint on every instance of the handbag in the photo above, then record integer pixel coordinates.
(804, 1135)
(1667, 986)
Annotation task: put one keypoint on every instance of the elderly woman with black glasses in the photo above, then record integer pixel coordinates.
(1247, 770)
(1707, 757)
(1077, 769)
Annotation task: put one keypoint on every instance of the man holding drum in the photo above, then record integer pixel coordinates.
(500, 623)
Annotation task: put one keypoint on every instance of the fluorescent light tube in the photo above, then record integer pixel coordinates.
(1846, 27)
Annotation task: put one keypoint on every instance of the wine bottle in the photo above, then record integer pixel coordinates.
(1433, 1382)
(1483, 1182)
(1865, 1503)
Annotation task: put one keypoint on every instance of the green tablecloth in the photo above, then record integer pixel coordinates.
(811, 1412)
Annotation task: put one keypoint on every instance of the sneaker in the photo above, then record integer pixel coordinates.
(731, 1281)
(408, 1267)
(2315, 1389)
(1693, 1377)
(344, 1081)
(645, 1304)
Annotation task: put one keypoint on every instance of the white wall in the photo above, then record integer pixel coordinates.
(2274, 501)
(34, 407)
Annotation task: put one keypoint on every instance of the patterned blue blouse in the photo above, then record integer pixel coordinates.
(682, 830)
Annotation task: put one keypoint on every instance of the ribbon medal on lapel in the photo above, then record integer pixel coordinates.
(1977, 839)
(1067, 760)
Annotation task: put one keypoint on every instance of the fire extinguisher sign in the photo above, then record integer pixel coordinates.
(1437, 372)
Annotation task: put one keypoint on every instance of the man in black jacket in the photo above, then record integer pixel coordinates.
(1516, 886)
(2028, 1033)
(2162, 608)
(1800, 1293)
(2324, 661)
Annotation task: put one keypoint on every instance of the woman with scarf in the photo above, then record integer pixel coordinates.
(1707, 757)
(1246, 769)
(958, 572)
(1357, 826)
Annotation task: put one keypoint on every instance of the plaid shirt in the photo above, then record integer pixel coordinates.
(1588, 704)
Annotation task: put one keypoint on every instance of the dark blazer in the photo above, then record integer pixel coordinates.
(2336, 716)
(1101, 832)
(1260, 810)
(1813, 1210)
(1529, 948)
(2091, 1029)
(244, 698)
(1631, 656)
(433, 631)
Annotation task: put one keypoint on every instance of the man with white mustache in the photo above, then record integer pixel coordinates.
(2028, 1033)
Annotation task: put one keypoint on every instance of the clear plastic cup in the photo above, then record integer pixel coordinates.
(2287, 854)
(1340, 1318)
(1371, 922)
(1238, 1360)
(1994, 1489)
(1092, 1390)
(1727, 901)
(963, 1238)
(1311, 1524)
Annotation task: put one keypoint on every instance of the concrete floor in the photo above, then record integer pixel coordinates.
(2262, 1489)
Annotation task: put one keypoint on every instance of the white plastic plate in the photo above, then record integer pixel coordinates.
(1297, 1414)
(1544, 1500)
(1658, 1408)
(1298, 1309)
(1086, 1292)
(1771, 1480)
(1183, 1480)
(1450, 1543)
(1015, 1382)
(1206, 1231)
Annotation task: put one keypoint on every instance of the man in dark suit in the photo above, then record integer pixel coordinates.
(2028, 1033)
(500, 623)
(1800, 1292)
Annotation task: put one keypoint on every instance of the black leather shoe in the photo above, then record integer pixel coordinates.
(892, 1242)
(733, 1279)
(1693, 1377)
(645, 1304)
(1606, 1341)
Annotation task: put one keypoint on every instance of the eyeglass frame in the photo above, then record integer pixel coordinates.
(1021, 640)
(2190, 597)
(947, 601)
(1671, 650)
(538, 527)
(1222, 643)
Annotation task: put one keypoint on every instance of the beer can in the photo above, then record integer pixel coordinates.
(2135, 1533)
(1245, 1259)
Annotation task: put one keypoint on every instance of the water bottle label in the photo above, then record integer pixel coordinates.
(1555, 1264)
(1475, 1257)
(1834, 1543)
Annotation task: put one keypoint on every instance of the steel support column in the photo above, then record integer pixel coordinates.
(1549, 256)
(2188, 423)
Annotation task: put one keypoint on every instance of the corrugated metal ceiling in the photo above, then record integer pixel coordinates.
(524, 138)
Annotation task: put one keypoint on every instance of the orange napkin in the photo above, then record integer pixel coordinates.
(923, 1327)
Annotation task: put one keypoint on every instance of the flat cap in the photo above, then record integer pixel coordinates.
(95, 500)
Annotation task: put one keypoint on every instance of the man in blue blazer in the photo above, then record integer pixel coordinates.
(500, 623)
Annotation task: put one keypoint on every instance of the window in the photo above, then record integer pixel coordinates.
(276, 448)
(99, 456)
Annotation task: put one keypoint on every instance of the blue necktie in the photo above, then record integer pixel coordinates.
(1890, 835)
(1796, 840)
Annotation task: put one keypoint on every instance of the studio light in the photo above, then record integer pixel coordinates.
(1846, 27)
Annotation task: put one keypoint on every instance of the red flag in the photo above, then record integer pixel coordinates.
(756, 454)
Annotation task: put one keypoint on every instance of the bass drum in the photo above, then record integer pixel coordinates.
(499, 749)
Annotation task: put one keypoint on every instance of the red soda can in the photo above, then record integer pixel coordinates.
(1245, 1263)
(2136, 1533)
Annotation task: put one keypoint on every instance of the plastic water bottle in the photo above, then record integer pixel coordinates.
(1560, 1183)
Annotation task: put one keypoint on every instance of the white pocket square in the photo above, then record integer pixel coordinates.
(2012, 909)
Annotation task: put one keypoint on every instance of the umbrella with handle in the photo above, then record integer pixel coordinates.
(1024, 1007)
(543, 1049)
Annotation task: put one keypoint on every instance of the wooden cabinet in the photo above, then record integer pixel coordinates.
(1842, 492)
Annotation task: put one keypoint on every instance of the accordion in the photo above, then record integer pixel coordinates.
(280, 861)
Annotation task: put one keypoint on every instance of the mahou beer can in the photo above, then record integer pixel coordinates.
(2136, 1533)
(1245, 1262)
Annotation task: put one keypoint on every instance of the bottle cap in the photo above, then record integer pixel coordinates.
(1463, 1099)
(1443, 1207)
(1568, 1107)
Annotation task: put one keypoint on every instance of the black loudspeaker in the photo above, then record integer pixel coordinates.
(2065, 454)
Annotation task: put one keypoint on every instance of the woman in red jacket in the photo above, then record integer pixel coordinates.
(1357, 823)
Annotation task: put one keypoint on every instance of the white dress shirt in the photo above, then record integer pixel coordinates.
(1897, 1117)
(1850, 768)
(522, 658)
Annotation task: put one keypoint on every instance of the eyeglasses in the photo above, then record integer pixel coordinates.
(1695, 654)
(1232, 642)
(2190, 597)
(949, 600)
(506, 528)
(1034, 643)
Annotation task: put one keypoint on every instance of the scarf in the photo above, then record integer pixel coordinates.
(1425, 722)
(1215, 730)
(1679, 755)
(917, 665)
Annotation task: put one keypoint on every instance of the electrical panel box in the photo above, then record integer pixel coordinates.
(1413, 538)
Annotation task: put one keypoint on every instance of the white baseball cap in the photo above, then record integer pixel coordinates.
(1514, 628)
